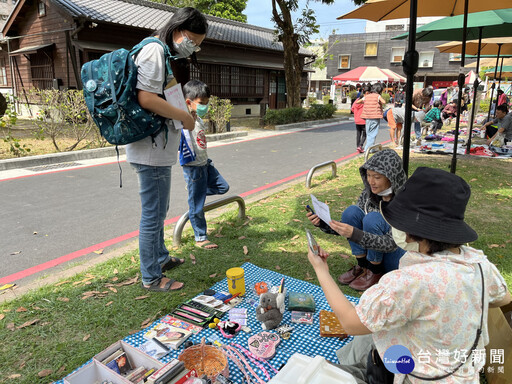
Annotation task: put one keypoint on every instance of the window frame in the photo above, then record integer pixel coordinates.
(425, 53)
(41, 11)
(376, 48)
(3, 72)
(349, 60)
(454, 57)
(392, 56)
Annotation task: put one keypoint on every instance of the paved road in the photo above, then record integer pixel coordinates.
(63, 211)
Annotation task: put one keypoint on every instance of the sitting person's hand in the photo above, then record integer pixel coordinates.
(315, 220)
(343, 229)
(318, 261)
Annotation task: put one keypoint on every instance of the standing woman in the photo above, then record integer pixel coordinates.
(372, 113)
(357, 110)
(153, 157)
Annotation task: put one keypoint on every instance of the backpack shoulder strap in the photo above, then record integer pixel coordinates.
(167, 52)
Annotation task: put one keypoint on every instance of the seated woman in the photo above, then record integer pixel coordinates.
(436, 301)
(368, 234)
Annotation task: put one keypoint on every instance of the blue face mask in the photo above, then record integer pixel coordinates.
(201, 109)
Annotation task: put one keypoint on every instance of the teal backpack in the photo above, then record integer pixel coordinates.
(109, 86)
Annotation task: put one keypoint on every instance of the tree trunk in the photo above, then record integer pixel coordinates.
(292, 64)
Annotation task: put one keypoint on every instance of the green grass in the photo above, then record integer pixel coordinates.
(70, 330)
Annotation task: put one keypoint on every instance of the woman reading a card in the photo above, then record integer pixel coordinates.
(436, 301)
(368, 234)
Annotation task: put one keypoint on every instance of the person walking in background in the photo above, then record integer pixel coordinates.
(357, 110)
(201, 176)
(421, 101)
(372, 113)
(153, 158)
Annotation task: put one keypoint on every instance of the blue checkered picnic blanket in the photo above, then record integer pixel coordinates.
(305, 338)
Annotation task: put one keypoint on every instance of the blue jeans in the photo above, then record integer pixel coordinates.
(372, 222)
(154, 191)
(202, 181)
(417, 130)
(372, 129)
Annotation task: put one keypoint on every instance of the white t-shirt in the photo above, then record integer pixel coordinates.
(150, 78)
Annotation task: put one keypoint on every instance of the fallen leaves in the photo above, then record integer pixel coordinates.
(28, 323)
(133, 260)
(2, 316)
(297, 220)
(213, 275)
(278, 268)
(15, 253)
(246, 250)
(141, 297)
(282, 249)
(86, 337)
(295, 237)
(242, 237)
(14, 376)
(98, 252)
(63, 299)
(109, 303)
(496, 246)
(193, 258)
(308, 276)
(62, 282)
(45, 372)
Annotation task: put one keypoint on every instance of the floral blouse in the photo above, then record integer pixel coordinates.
(432, 305)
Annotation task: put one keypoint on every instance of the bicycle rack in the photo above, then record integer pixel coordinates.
(180, 224)
(312, 170)
(369, 150)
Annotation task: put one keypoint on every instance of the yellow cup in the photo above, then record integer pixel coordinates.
(236, 281)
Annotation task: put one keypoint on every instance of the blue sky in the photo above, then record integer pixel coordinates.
(259, 13)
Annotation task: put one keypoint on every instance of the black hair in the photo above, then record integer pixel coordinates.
(500, 91)
(437, 103)
(189, 19)
(377, 88)
(196, 89)
(428, 92)
(502, 108)
(367, 88)
(434, 246)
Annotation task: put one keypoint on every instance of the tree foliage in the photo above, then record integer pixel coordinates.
(293, 34)
(229, 9)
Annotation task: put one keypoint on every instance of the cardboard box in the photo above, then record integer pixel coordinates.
(500, 339)
(96, 371)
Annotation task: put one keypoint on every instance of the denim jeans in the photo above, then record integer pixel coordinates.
(372, 222)
(372, 129)
(417, 130)
(154, 191)
(202, 181)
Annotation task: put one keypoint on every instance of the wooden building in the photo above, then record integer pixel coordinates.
(45, 43)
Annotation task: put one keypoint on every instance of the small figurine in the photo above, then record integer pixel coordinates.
(270, 310)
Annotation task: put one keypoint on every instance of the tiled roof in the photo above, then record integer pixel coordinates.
(149, 15)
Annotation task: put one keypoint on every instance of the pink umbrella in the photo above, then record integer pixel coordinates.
(370, 74)
(470, 79)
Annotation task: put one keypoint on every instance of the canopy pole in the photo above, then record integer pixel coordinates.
(410, 67)
(499, 84)
(494, 81)
(461, 79)
(475, 88)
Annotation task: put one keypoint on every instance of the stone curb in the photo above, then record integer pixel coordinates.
(64, 157)
(307, 124)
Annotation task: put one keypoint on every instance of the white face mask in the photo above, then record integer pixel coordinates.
(386, 192)
(400, 239)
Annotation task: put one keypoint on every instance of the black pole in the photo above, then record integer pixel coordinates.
(499, 85)
(410, 67)
(475, 88)
(461, 84)
(494, 81)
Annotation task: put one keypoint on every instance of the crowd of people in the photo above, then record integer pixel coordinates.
(407, 236)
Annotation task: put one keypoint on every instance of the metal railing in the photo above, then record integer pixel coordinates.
(312, 170)
(371, 149)
(180, 224)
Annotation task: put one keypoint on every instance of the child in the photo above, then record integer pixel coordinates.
(357, 109)
(200, 175)
(433, 117)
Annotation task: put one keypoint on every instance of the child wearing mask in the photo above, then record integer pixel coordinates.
(201, 176)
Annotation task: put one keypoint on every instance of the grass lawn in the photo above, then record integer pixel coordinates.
(55, 329)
